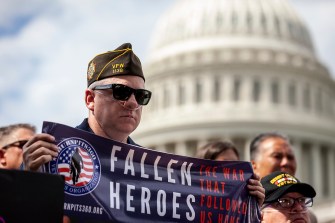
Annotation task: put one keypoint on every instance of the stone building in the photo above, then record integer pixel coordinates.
(230, 69)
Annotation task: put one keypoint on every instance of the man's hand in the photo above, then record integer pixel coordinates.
(39, 150)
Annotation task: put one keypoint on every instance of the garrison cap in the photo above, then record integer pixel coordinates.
(119, 62)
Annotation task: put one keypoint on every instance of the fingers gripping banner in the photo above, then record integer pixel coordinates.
(108, 181)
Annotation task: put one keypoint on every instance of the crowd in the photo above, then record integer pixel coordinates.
(114, 97)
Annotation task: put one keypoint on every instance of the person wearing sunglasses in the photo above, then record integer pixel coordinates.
(12, 139)
(114, 97)
(286, 199)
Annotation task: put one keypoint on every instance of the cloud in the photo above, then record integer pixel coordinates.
(45, 56)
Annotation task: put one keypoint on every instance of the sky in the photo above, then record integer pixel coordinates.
(45, 47)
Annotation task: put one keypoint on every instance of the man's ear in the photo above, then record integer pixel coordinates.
(2, 158)
(262, 217)
(253, 163)
(89, 99)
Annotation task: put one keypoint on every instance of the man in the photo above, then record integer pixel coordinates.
(12, 139)
(114, 98)
(271, 152)
(286, 199)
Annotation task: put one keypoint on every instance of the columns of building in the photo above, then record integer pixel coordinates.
(247, 149)
(317, 171)
(331, 168)
(297, 149)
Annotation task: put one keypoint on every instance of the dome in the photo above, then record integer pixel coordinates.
(248, 24)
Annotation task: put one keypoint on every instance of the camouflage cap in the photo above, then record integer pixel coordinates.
(119, 62)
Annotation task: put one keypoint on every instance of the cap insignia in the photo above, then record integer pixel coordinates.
(283, 179)
(90, 71)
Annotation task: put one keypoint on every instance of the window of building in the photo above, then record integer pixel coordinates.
(236, 90)
(263, 23)
(307, 97)
(292, 94)
(275, 92)
(216, 89)
(277, 26)
(198, 92)
(219, 19)
(181, 95)
(166, 97)
(170, 148)
(249, 22)
(256, 91)
(191, 146)
(318, 101)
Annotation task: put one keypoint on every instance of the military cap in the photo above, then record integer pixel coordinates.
(119, 62)
(280, 183)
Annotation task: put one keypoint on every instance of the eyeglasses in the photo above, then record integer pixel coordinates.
(18, 144)
(288, 202)
(122, 92)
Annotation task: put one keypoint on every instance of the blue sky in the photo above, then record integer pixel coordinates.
(45, 47)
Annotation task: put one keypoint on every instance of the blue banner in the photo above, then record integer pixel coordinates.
(108, 181)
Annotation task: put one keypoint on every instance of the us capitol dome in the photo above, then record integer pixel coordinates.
(231, 69)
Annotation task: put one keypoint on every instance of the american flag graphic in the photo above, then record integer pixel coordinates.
(64, 166)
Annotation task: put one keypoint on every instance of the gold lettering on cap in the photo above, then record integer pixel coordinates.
(117, 68)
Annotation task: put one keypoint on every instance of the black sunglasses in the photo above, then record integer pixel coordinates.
(19, 144)
(122, 92)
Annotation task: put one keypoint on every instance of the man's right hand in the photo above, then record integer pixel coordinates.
(39, 150)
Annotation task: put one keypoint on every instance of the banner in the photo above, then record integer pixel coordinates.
(108, 181)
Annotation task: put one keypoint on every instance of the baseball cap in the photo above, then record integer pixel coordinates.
(280, 183)
(119, 62)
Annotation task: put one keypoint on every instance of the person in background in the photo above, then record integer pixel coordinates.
(286, 199)
(272, 151)
(12, 139)
(226, 151)
(218, 150)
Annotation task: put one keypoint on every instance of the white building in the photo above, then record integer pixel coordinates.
(230, 69)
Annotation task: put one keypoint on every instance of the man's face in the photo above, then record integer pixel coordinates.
(11, 158)
(275, 154)
(276, 214)
(115, 117)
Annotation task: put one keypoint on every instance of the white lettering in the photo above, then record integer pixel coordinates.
(115, 195)
(145, 198)
(156, 170)
(191, 216)
(175, 205)
(186, 174)
(113, 157)
(129, 165)
(170, 170)
(130, 197)
(143, 174)
(161, 203)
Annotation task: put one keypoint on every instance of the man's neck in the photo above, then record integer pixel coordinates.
(98, 130)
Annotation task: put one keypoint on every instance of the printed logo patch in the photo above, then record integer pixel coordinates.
(283, 179)
(79, 164)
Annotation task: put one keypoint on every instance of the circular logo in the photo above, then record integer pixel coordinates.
(79, 164)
